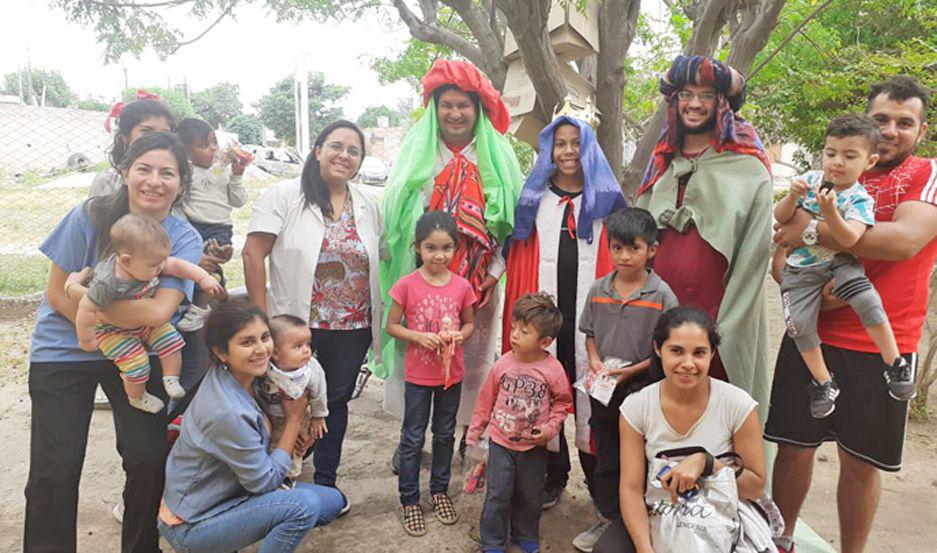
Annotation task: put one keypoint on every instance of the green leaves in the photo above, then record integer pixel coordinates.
(249, 128)
(277, 113)
(34, 83)
(218, 104)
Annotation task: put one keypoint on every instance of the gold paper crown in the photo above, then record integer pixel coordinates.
(584, 111)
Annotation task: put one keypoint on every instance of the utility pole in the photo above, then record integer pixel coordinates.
(302, 111)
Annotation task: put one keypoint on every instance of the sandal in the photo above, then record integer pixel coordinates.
(414, 523)
(444, 509)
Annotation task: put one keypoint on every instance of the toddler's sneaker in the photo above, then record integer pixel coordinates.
(173, 387)
(193, 319)
(147, 402)
(900, 378)
(528, 546)
(822, 398)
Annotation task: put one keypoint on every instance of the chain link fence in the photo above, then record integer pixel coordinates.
(49, 156)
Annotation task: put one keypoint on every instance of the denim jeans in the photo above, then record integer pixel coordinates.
(62, 396)
(340, 352)
(416, 414)
(281, 518)
(514, 499)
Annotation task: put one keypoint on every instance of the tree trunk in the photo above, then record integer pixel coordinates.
(486, 55)
(527, 20)
(617, 25)
(752, 37)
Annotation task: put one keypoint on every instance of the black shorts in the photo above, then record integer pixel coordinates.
(867, 422)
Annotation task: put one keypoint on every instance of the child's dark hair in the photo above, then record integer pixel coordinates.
(281, 323)
(132, 115)
(901, 88)
(627, 224)
(431, 221)
(315, 190)
(192, 130)
(853, 124)
(226, 320)
(538, 310)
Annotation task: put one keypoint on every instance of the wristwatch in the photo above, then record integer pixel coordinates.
(809, 235)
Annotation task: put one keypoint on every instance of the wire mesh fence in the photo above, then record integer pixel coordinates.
(49, 157)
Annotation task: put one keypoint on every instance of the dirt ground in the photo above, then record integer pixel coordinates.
(906, 520)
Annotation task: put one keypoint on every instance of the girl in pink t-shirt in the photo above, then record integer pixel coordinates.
(437, 307)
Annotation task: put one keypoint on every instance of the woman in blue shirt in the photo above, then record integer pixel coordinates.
(222, 486)
(62, 377)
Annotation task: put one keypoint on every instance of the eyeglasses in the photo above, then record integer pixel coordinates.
(704, 97)
(338, 148)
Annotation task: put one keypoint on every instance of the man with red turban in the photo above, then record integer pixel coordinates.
(456, 159)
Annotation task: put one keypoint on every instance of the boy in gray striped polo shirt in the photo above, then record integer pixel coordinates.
(618, 319)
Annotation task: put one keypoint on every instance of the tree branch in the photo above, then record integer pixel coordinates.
(137, 5)
(224, 14)
(483, 26)
(790, 37)
(432, 32)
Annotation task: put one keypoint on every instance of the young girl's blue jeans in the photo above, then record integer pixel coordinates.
(280, 518)
(418, 402)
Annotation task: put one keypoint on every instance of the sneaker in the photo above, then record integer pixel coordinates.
(118, 510)
(528, 546)
(414, 523)
(586, 540)
(395, 460)
(147, 402)
(193, 319)
(900, 378)
(346, 506)
(551, 496)
(822, 398)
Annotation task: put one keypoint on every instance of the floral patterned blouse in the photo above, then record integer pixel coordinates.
(341, 297)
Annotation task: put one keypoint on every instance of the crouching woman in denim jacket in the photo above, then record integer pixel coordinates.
(222, 479)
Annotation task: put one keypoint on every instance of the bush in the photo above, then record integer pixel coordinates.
(248, 128)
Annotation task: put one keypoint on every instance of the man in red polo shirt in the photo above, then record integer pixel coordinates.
(898, 254)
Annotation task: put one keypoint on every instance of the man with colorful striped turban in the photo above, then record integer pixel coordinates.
(456, 159)
(708, 185)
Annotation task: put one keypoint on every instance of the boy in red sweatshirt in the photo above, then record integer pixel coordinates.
(522, 404)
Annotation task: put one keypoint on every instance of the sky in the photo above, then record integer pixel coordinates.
(253, 51)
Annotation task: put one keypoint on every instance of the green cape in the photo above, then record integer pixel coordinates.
(728, 198)
(403, 205)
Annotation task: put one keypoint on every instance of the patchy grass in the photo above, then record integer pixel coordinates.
(22, 275)
(28, 216)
